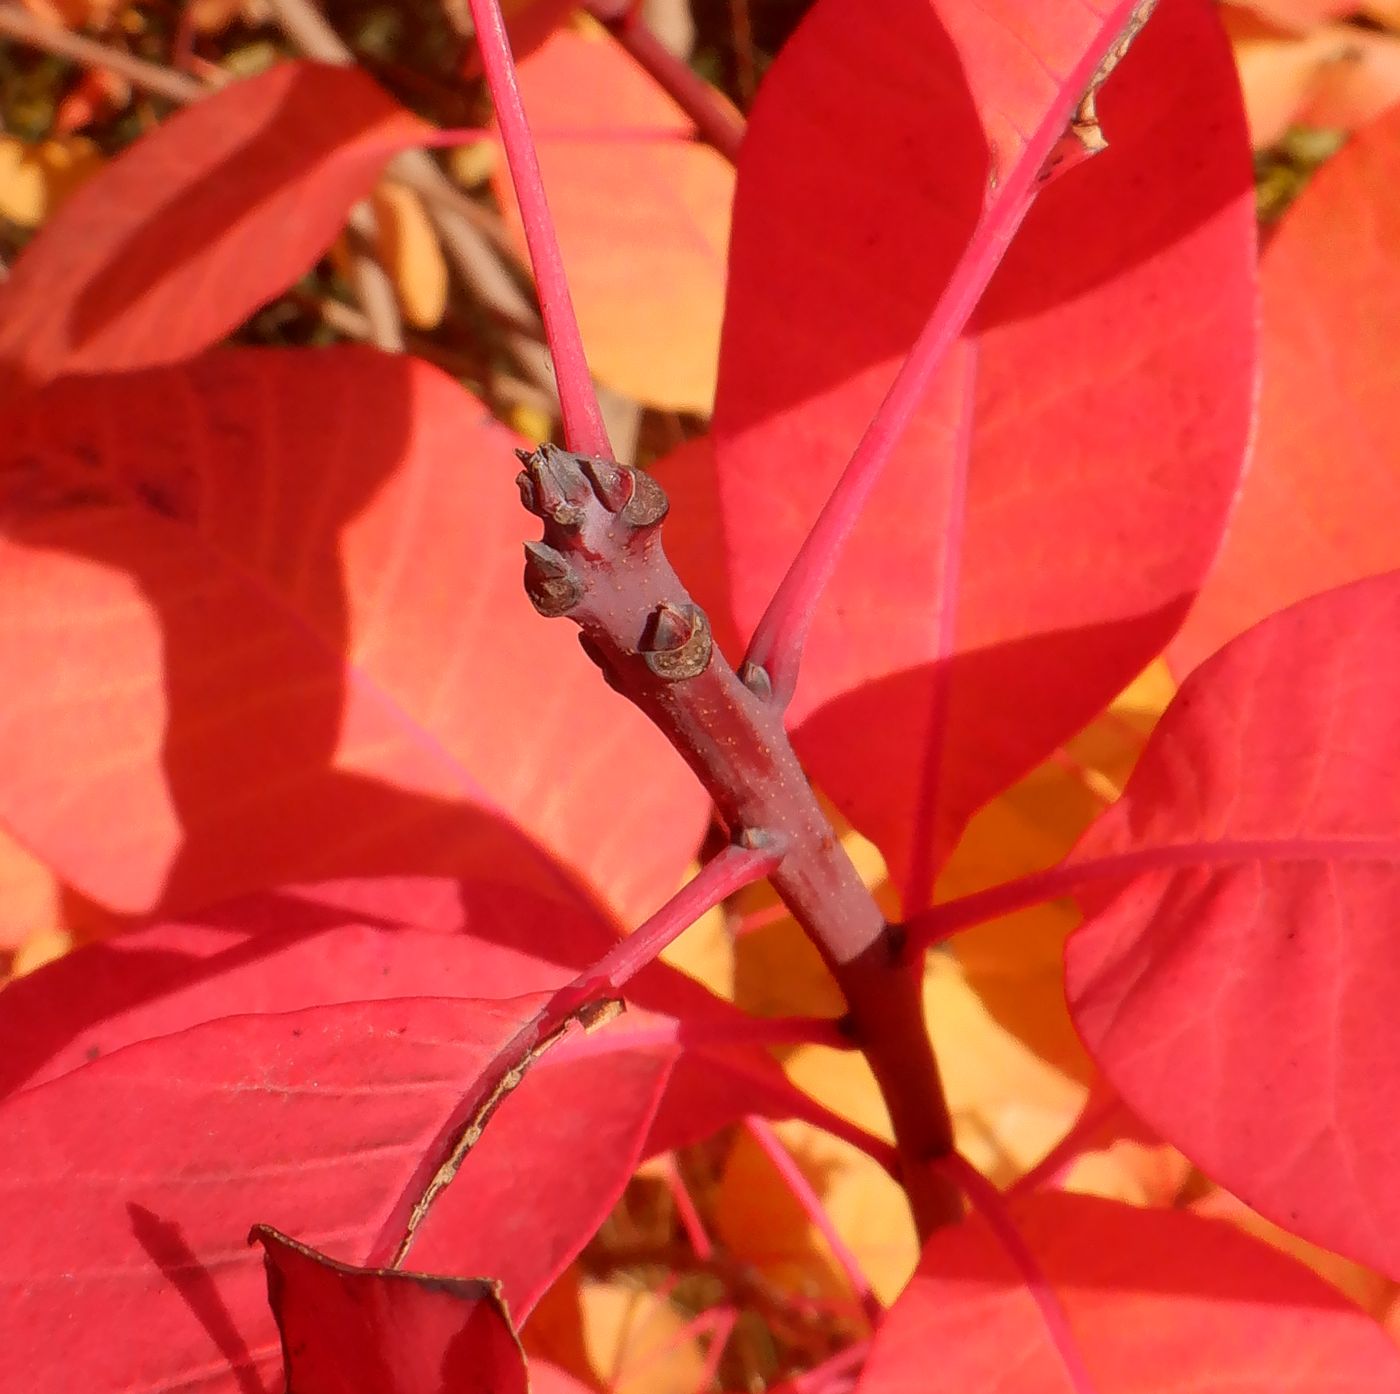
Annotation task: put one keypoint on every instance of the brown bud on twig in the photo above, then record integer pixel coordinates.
(551, 583)
(614, 485)
(754, 838)
(676, 643)
(755, 677)
(553, 486)
(649, 504)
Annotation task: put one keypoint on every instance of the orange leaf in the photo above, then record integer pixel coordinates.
(759, 1220)
(1320, 498)
(643, 218)
(1337, 75)
(280, 623)
(410, 252)
(35, 180)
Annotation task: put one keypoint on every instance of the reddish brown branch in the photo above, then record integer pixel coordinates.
(716, 121)
(745, 71)
(602, 564)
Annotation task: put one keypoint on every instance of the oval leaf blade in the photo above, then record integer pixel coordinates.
(1240, 990)
(1057, 498)
(1157, 1302)
(1320, 498)
(271, 606)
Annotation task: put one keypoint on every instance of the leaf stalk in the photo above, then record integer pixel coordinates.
(584, 429)
(781, 633)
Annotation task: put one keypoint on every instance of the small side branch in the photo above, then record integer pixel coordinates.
(1101, 1107)
(716, 121)
(781, 634)
(589, 1000)
(1071, 877)
(734, 868)
(834, 1376)
(941, 922)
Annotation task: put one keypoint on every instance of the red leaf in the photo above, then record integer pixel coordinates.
(291, 952)
(1321, 495)
(271, 607)
(642, 211)
(1158, 1301)
(1240, 990)
(271, 953)
(139, 1174)
(529, 23)
(1058, 497)
(348, 1330)
(184, 235)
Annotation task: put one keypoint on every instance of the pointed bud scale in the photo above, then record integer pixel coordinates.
(755, 677)
(754, 839)
(670, 627)
(527, 491)
(551, 583)
(559, 485)
(648, 505)
(676, 643)
(614, 485)
(566, 470)
(545, 562)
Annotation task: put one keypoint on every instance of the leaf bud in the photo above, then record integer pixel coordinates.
(755, 677)
(648, 504)
(676, 643)
(614, 485)
(551, 583)
(557, 489)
